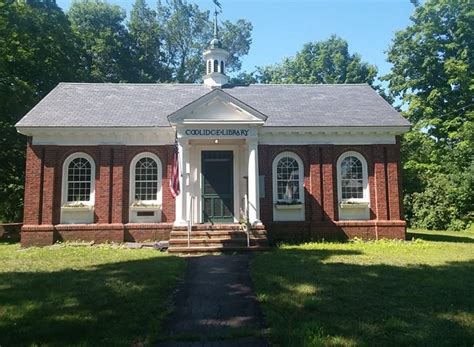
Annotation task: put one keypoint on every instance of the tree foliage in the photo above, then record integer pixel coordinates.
(37, 50)
(106, 42)
(146, 37)
(187, 32)
(326, 61)
(433, 75)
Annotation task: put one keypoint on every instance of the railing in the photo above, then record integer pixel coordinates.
(245, 204)
(191, 218)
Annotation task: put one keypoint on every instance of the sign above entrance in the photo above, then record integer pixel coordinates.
(216, 132)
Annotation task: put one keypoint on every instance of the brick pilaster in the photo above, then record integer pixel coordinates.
(103, 185)
(33, 176)
(329, 186)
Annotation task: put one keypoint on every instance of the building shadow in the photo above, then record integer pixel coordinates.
(117, 304)
(439, 237)
(310, 301)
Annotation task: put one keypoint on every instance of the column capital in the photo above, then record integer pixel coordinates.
(252, 141)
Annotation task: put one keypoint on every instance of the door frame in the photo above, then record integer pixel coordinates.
(236, 170)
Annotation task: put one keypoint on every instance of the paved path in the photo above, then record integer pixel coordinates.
(216, 302)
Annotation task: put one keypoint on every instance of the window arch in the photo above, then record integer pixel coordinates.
(288, 176)
(216, 66)
(145, 179)
(78, 179)
(352, 177)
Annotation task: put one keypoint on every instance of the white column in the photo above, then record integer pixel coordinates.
(181, 199)
(253, 181)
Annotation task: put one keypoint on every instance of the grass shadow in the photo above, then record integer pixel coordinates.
(309, 302)
(118, 304)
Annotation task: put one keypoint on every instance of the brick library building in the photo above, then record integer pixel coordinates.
(211, 166)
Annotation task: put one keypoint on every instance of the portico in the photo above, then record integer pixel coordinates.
(218, 129)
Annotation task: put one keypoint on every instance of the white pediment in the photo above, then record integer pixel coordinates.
(217, 107)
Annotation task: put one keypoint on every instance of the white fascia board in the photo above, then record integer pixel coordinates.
(330, 135)
(93, 136)
(218, 122)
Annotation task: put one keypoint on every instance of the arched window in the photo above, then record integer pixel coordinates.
(222, 67)
(352, 177)
(78, 180)
(288, 178)
(216, 66)
(145, 179)
(209, 66)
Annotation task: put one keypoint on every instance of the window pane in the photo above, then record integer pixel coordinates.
(79, 180)
(288, 180)
(352, 183)
(146, 179)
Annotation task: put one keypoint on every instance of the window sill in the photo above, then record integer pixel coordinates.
(354, 204)
(288, 206)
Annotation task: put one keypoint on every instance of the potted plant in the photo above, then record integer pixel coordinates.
(139, 205)
(288, 204)
(77, 206)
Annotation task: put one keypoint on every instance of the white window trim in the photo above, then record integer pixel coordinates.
(159, 193)
(365, 178)
(295, 156)
(65, 178)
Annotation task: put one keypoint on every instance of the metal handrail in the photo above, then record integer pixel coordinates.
(191, 218)
(246, 214)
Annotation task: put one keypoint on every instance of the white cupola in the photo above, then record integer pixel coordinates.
(215, 58)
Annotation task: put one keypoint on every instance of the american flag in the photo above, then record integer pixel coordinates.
(174, 182)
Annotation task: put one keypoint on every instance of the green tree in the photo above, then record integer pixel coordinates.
(433, 76)
(187, 33)
(37, 50)
(106, 42)
(326, 61)
(146, 36)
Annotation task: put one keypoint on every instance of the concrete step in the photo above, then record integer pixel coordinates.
(218, 242)
(215, 249)
(210, 227)
(217, 234)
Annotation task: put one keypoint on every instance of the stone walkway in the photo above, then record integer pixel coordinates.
(216, 305)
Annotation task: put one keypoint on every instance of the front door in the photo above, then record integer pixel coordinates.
(217, 186)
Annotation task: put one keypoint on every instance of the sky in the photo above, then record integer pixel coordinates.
(281, 28)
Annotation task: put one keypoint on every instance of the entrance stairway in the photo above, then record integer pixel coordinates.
(209, 238)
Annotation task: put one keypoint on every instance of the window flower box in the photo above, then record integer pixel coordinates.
(77, 206)
(142, 206)
(354, 204)
(294, 205)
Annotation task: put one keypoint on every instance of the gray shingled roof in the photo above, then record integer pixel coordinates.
(144, 105)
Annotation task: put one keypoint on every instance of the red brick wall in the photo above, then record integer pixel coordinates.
(43, 185)
(44, 180)
(383, 164)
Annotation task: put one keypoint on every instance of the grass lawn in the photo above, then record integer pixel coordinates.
(87, 296)
(385, 293)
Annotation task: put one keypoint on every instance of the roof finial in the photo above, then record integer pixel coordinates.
(216, 30)
(215, 42)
